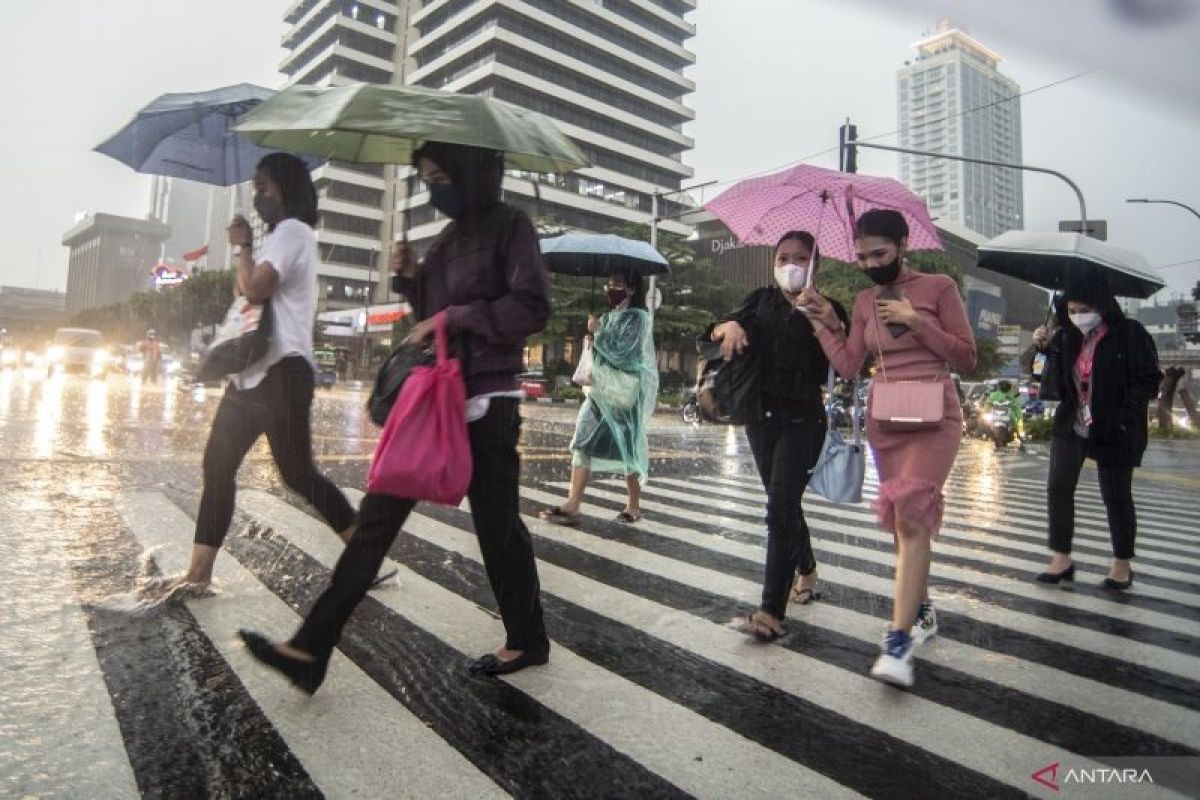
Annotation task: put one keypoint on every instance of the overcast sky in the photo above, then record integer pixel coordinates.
(774, 79)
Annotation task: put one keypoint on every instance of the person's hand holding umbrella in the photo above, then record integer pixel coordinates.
(1041, 337)
(402, 262)
(819, 310)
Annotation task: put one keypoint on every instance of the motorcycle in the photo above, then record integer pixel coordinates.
(999, 421)
(691, 408)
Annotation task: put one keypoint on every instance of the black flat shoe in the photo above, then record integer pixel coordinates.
(491, 665)
(306, 675)
(1112, 583)
(1067, 574)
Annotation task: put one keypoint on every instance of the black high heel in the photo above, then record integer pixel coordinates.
(1110, 583)
(1067, 574)
(306, 675)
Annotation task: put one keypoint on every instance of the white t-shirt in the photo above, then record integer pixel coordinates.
(292, 250)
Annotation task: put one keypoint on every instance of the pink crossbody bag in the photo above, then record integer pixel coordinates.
(905, 405)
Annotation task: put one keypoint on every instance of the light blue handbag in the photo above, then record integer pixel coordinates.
(838, 474)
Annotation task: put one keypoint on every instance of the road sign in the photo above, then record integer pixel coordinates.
(1096, 228)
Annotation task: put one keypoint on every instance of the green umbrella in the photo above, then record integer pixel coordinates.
(383, 124)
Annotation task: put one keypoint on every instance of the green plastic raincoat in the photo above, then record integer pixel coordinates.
(610, 432)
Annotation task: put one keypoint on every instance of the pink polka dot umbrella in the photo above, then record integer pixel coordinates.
(823, 202)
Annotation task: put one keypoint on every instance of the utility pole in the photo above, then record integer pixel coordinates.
(1023, 167)
(654, 220)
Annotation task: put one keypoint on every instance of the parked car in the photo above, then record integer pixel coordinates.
(77, 350)
(533, 384)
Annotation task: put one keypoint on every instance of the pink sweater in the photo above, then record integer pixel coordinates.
(943, 338)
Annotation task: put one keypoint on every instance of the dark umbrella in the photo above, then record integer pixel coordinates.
(602, 254)
(1057, 260)
(189, 135)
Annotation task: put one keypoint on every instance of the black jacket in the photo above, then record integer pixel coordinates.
(1125, 378)
(794, 366)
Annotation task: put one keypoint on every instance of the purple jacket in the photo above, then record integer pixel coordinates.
(492, 283)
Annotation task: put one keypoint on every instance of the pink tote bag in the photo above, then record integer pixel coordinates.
(424, 452)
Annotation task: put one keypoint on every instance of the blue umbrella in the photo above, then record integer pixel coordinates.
(601, 254)
(189, 135)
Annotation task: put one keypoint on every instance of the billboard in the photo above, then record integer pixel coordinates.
(985, 313)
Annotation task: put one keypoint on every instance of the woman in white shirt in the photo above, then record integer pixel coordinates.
(274, 394)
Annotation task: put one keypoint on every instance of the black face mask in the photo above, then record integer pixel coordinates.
(448, 199)
(269, 209)
(884, 275)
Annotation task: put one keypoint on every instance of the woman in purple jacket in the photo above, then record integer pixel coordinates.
(485, 271)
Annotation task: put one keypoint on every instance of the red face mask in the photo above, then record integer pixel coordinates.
(617, 296)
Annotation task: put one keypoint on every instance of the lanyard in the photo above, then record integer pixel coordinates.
(1086, 362)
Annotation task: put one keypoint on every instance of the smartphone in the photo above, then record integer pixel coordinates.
(897, 329)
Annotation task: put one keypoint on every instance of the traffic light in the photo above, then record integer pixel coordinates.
(847, 152)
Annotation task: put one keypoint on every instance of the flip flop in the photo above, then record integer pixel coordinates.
(556, 516)
(805, 596)
(381, 579)
(749, 626)
(628, 518)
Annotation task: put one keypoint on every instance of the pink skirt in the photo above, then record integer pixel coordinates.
(913, 466)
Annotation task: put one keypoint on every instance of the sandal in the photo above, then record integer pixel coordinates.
(628, 518)
(556, 516)
(805, 596)
(759, 630)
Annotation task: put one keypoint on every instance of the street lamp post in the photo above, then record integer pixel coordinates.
(366, 351)
(654, 220)
(1167, 202)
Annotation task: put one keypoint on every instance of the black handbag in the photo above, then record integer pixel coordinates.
(242, 339)
(391, 378)
(730, 392)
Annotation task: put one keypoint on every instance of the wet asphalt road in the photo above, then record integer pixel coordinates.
(648, 692)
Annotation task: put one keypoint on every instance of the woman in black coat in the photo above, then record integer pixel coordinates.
(788, 428)
(1104, 369)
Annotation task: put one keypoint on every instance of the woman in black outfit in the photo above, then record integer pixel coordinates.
(1106, 369)
(786, 438)
(485, 273)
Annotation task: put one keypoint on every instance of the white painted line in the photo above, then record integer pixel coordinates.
(352, 737)
(1139, 653)
(697, 755)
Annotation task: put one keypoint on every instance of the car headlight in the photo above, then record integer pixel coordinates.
(99, 358)
(8, 357)
(55, 353)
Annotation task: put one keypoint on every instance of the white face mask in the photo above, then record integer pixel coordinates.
(1085, 321)
(791, 277)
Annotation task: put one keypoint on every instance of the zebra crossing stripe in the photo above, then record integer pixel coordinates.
(350, 701)
(1157, 717)
(1154, 524)
(1139, 653)
(665, 737)
(970, 742)
(1152, 543)
(870, 531)
(978, 579)
(49, 665)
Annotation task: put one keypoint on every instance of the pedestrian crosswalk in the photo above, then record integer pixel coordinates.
(650, 693)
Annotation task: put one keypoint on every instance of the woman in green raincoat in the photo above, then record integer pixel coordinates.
(610, 432)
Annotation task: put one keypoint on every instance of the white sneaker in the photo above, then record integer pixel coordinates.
(894, 665)
(926, 627)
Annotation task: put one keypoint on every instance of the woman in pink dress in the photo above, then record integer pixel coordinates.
(918, 324)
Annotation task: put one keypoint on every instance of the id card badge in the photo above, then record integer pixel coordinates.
(1087, 414)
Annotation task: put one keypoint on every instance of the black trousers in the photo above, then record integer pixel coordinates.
(1116, 489)
(280, 407)
(503, 540)
(786, 446)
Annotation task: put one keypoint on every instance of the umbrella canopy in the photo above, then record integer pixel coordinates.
(823, 202)
(189, 135)
(599, 255)
(1051, 259)
(383, 124)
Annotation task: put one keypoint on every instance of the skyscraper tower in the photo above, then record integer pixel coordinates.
(953, 99)
(609, 72)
